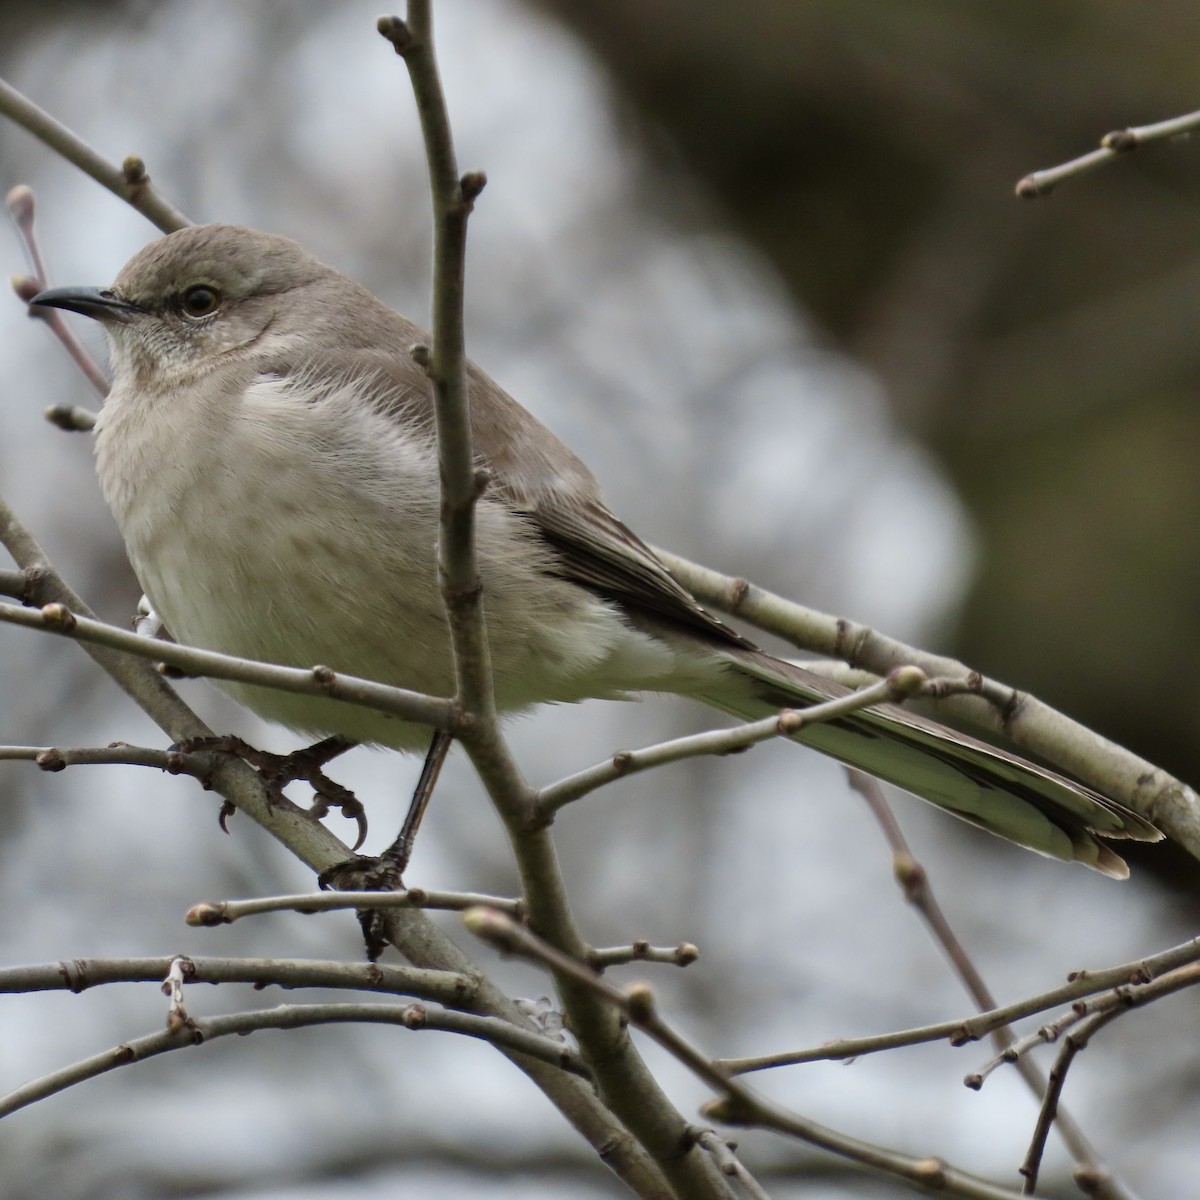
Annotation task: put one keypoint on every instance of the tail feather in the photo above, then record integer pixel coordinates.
(983, 784)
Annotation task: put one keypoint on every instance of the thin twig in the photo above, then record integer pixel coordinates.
(1095, 1180)
(22, 207)
(901, 684)
(445, 361)
(195, 1032)
(313, 681)
(723, 1152)
(1112, 145)
(682, 955)
(971, 1029)
(55, 758)
(1124, 997)
(130, 181)
(1049, 1111)
(739, 1105)
(1017, 1049)
(452, 988)
(225, 912)
(914, 882)
(989, 705)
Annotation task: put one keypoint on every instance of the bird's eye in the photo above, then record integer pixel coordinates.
(201, 300)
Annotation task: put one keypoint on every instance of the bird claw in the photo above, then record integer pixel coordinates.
(366, 873)
(278, 770)
(334, 795)
(362, 873)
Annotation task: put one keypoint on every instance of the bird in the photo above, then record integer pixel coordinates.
(269, 451)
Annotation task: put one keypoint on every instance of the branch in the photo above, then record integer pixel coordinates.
(314, 681)
(130, 182)
(445, 361)
(1112, 145)
(1096, 1181)
(1123, 997)
(625, 1085)
(970, 1029)
(79, 974)
(914, 882)
(53, 758)
(22, 208)
(724, 1155)
(740, 1105)
(194, 1032)
(901, 684)
(992, 706)
(225, 912)
(682, 955)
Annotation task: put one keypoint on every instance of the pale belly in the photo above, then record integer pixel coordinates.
(303, 545)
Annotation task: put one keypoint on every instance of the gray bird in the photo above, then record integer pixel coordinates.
(269, 453)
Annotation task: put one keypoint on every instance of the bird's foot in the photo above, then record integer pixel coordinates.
(363, 873)
(278, 770)
(366, 873)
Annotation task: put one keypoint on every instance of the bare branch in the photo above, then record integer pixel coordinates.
(1095, 1179)
(1112, 145)
(682, 955)
(445, 361)
(970, 1029)
(914, 882)
(130, 182)
(723, 1153)
(1122, 998)
(194, 1032)
(315, 681)
(625, 1085)
(900, 684)
(22, 207)
(54, 758)
(454, 989)
(14, 583)
(225, 912)
(739, 1104)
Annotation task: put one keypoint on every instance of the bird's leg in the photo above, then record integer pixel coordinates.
(278, 770)
(400, 851)
(385, 873)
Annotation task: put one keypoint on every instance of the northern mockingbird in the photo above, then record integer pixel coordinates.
(268, 450)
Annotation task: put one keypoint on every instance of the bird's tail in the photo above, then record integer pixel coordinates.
(998, 791)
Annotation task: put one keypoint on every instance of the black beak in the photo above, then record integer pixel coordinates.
(91, 302)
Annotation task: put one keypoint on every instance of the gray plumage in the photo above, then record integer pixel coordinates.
(268, 450)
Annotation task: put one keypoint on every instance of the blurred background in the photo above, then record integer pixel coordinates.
(762, 266)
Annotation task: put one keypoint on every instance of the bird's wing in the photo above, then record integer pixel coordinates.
(535, 474)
